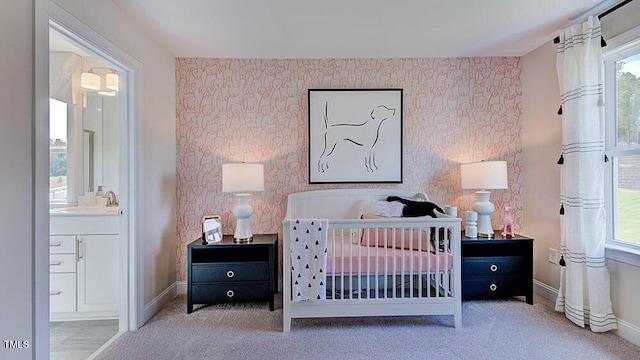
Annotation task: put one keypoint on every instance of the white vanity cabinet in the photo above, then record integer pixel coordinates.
(98, 272)
(62, 273)
(84, 266)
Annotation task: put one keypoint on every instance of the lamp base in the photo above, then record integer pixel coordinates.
(484, 208)
(486, 236)
(242, 212)
(243, 240)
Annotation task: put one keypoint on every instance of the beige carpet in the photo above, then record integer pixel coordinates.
(509, 329)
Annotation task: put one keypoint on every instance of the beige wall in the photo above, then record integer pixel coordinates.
(541, 147)
(16, 154)
(541, 144)
(16, 128)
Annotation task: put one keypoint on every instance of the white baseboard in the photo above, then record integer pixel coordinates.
(545, 290)
(158, 302)
(181, 286)
(625, 329)
(628, 331)
(83, 315)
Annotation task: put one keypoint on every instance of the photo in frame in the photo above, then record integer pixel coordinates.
(211, 229)
(355, 136)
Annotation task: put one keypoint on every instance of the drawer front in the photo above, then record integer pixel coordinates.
(256, 271)
(230, 291)
(493, 266)
(62, 292)
(62, 263)
(494, 287)
(62, 244)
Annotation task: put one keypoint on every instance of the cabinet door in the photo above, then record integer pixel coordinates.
(98, 272)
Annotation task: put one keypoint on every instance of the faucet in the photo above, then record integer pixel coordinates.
(112, 200)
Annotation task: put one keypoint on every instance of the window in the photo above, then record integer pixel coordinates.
(57, 151)
(622, 111)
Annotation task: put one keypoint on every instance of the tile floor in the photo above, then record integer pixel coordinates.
(77, 340)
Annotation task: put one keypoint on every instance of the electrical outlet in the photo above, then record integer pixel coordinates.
(553, 256)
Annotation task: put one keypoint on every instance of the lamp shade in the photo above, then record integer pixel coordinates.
(90, 81)
(484, 175)
(242, 177)
(112, 81)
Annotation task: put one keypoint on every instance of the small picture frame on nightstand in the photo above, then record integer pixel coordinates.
(211, 229)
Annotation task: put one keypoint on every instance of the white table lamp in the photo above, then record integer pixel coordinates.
(484, 175)
(241, 179)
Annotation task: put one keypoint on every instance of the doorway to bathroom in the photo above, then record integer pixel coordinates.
(84, 178)
(87, 294)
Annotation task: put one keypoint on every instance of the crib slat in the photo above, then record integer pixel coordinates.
(333, 257)
(394, 266)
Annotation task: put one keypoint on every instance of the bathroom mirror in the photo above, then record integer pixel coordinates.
(101, 144)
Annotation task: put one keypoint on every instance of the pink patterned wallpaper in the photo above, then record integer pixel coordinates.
(456, 110)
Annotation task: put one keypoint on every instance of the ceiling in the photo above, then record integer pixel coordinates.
(353, 28)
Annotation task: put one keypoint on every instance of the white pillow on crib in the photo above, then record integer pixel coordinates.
(382, 208)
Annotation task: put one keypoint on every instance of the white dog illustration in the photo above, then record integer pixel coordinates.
(364, 135)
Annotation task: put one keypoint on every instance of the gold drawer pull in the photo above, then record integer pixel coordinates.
(55, 263)
(230, 274)
(58, 292)
(493, 287)
(230, 293)
(493, 267)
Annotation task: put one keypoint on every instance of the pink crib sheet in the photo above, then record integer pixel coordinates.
(356, 258)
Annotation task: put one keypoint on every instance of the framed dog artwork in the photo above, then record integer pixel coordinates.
(355, 136)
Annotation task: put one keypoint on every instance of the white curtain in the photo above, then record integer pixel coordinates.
(584, 284)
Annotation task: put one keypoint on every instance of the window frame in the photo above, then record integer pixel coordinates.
(68, 116)
(72, 158)
(618, 48)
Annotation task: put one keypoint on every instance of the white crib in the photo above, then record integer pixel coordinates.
(376, 267)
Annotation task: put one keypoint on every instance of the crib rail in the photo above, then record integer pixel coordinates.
(389, 266)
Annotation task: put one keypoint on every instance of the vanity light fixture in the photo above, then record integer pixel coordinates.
(91, 81)
(107, 93)
(112, 80)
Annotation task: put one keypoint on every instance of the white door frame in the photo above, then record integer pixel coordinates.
(49, 15)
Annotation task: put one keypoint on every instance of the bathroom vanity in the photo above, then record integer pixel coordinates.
(84, 263)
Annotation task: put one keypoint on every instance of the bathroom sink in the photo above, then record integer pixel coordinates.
(82, 210)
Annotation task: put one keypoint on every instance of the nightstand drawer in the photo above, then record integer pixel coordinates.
(493, 266)
(248, 290)
(216, 272)
(498, 286)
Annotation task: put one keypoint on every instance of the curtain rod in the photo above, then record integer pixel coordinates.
(625, 2)
(595, 10)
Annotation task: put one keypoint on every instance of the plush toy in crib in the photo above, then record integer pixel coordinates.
(414, 208)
